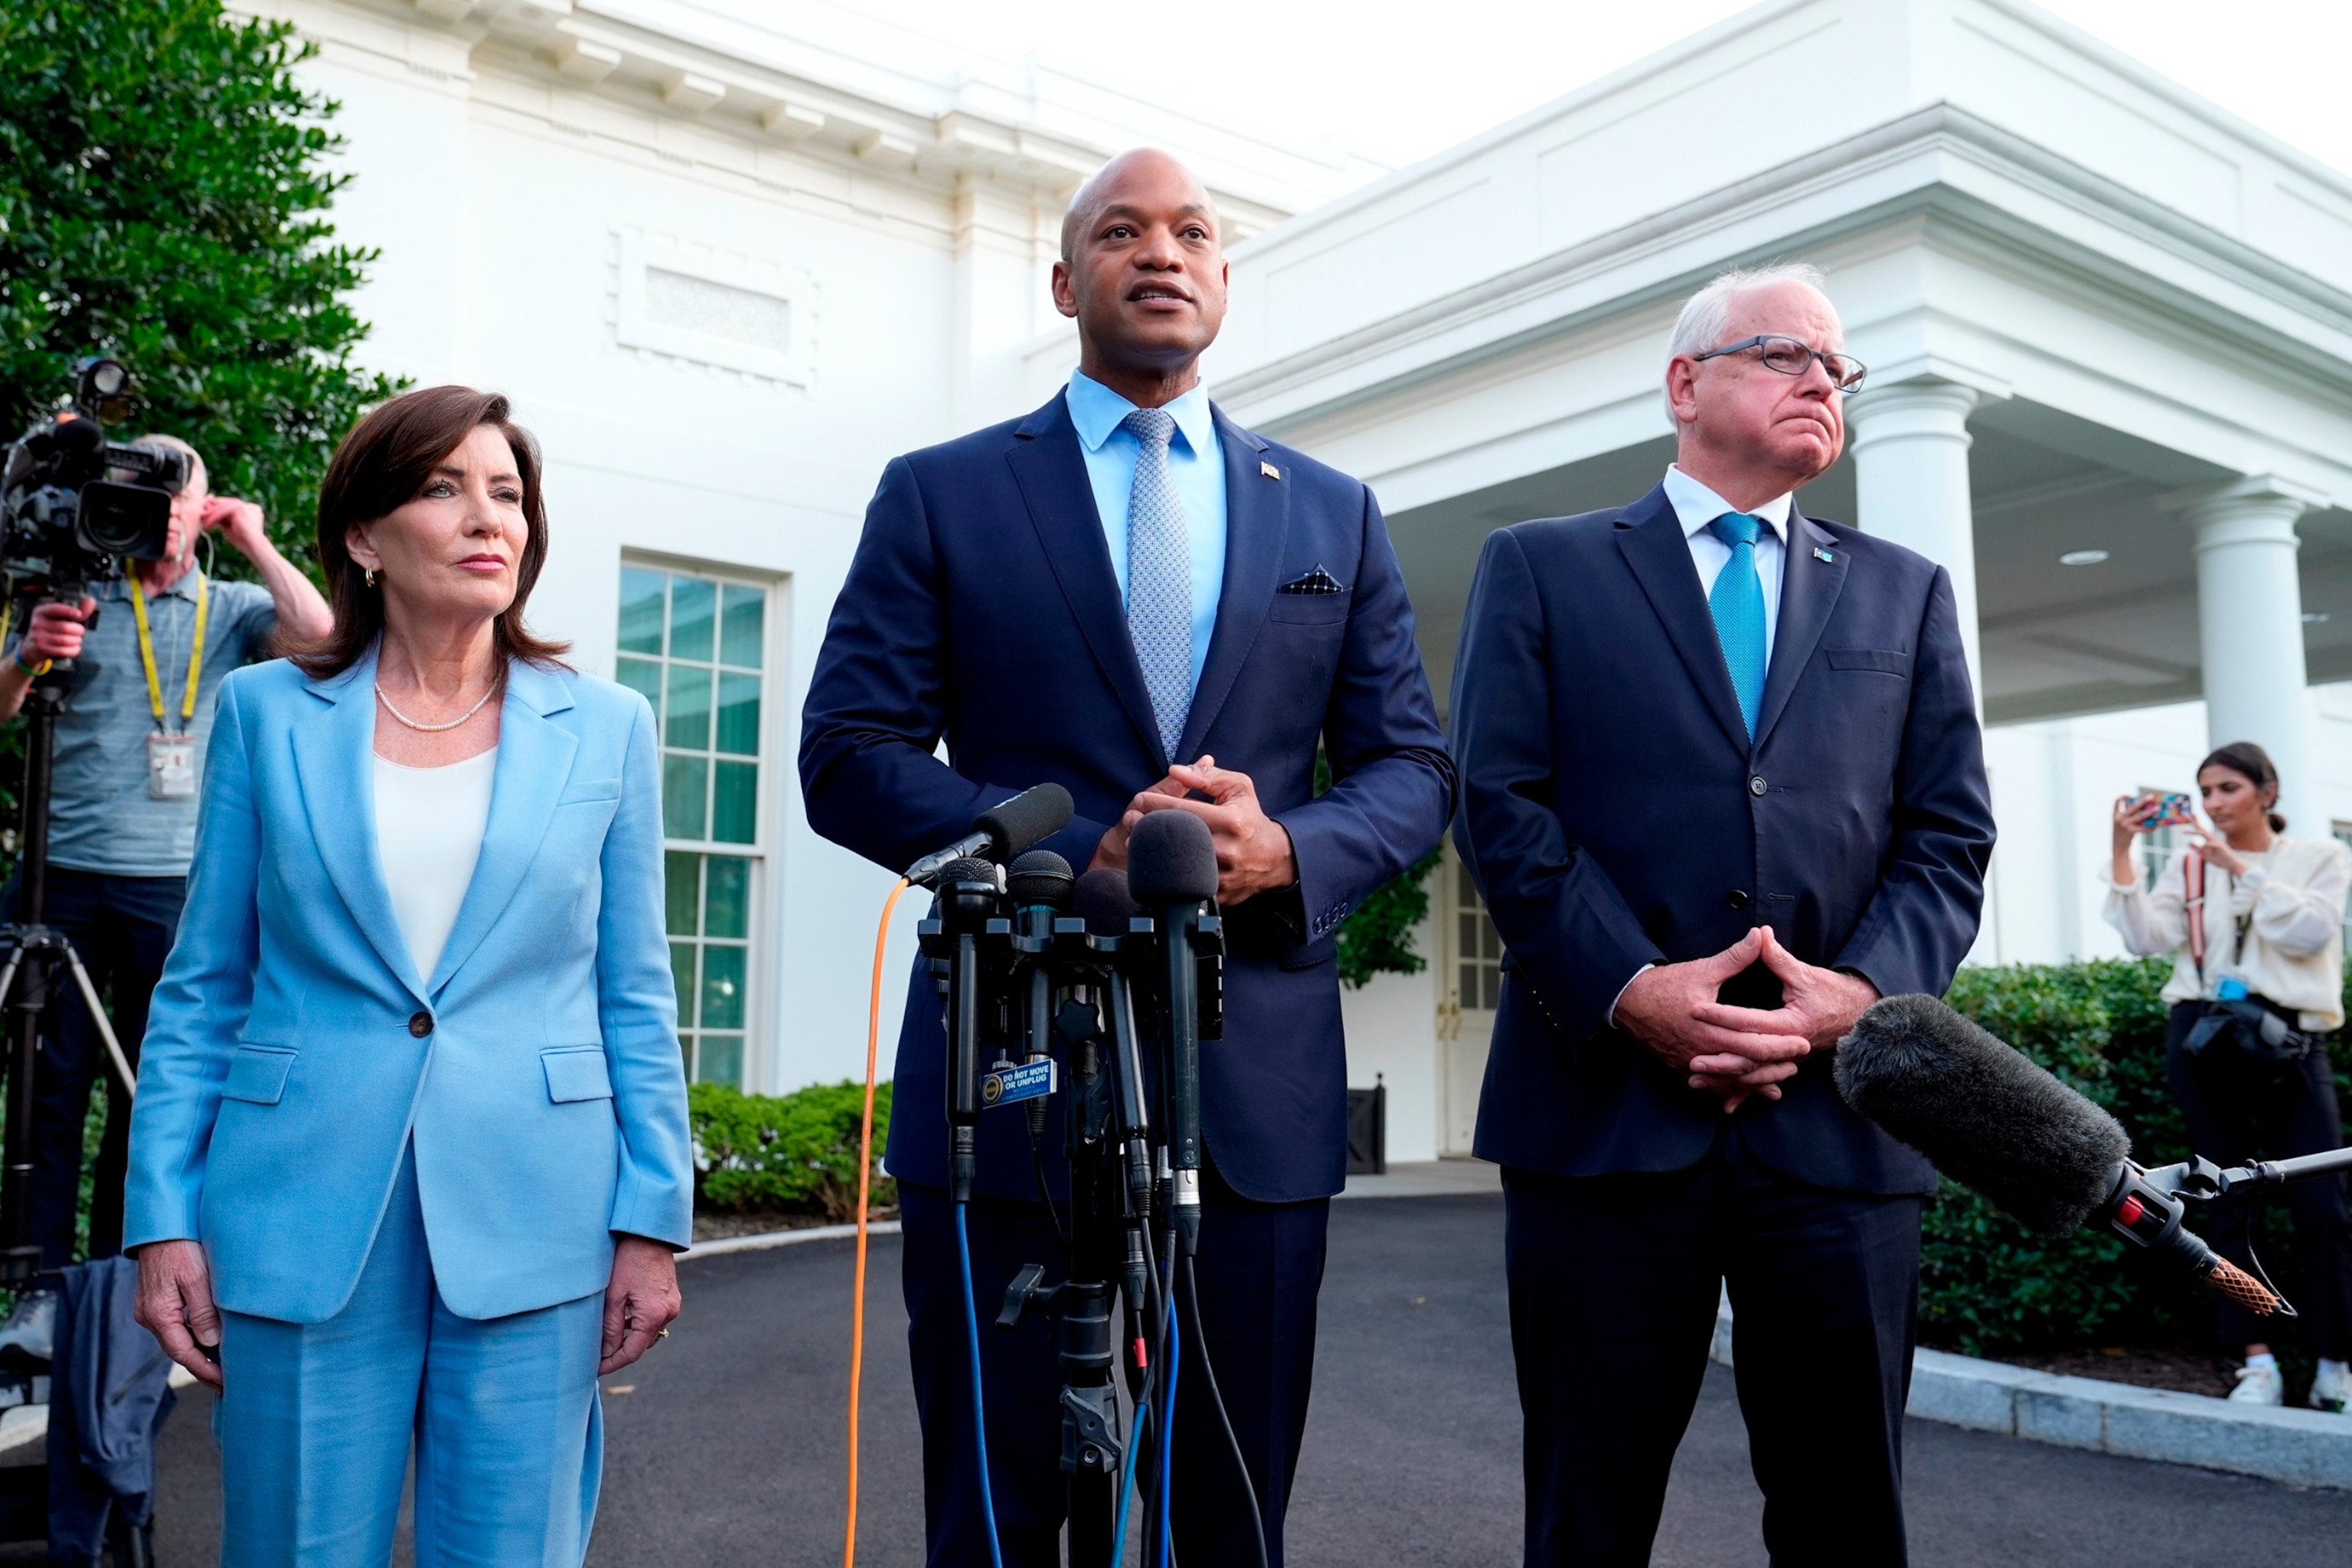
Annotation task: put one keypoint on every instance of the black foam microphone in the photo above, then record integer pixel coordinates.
(968, 896)
(1171, 859)
(1040, 883)
(1002, 831)
(1986, 1116)
(1172, 870)
(1102, 900)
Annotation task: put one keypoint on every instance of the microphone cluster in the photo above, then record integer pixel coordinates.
(1079, 974)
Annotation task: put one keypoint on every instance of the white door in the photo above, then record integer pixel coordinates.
(1470, 966)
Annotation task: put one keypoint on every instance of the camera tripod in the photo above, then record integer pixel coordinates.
(29, 983)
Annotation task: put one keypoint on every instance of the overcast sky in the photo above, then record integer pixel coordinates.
(1398, 82)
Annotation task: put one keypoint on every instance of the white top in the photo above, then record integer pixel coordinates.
(1695, 506)
(430, 824)
(2291, 899)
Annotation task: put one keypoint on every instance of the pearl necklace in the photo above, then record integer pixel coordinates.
(432, 729)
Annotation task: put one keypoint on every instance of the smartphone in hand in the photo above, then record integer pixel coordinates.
(2172, 810)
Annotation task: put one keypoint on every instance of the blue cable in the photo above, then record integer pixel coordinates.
(1126, 1481)
(1167, 1441)
(979, 1411)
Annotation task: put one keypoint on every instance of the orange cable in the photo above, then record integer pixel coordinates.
(864, 1189)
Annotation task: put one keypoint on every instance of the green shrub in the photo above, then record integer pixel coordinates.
(796, 1152)
(1985, 1284)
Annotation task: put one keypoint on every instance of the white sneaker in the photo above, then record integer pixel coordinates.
(2332, 1390)
(2259, 1386)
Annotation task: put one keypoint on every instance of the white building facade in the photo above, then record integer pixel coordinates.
(727, 265)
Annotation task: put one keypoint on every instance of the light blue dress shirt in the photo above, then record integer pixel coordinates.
(1695, 506)
(1196, 466)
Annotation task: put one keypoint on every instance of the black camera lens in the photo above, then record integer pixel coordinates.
(124, 520)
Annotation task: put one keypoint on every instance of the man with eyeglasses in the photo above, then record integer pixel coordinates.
(1723, 787)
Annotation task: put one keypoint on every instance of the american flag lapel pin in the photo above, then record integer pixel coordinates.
(1821, 555)
(1268, 469)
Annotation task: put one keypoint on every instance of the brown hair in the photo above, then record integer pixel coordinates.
(2253, 764)
(380, 468)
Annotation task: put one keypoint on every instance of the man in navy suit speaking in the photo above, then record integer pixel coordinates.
(1723, 787)
(1126, 593)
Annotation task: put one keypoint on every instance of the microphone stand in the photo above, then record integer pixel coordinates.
(1104, 1116)
(2147, 1208)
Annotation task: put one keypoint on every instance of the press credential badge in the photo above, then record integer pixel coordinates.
(171, 766)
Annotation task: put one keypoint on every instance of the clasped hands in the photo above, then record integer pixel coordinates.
(1732, 1052)
(1253, 851)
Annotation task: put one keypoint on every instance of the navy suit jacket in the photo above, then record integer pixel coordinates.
(981, 608)
(1616, 814)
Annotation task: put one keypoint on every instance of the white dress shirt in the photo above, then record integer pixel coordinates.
(1695, 507)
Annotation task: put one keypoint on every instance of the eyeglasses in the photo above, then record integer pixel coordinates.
(1791, 357)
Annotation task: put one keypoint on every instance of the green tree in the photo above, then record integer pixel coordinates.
(165, 185)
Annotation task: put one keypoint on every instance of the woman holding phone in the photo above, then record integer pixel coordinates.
(2254, 922)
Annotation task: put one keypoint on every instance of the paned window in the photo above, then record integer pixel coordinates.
(1477, 947)
(695, 644)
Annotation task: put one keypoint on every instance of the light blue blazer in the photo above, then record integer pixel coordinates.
(293, 1051)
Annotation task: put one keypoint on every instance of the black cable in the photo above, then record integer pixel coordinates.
(1163, 1422)
(1046, 1191)
(1200, 1343)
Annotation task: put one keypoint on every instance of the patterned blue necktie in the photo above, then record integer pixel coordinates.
(1737, 602)
(1160, 577)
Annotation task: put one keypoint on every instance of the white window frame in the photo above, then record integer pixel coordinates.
(764, 850)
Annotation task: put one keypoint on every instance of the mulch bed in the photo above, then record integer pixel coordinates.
(722, 1224)
(2182, 1367)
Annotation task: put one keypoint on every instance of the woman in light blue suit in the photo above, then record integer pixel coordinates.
(409, 1161)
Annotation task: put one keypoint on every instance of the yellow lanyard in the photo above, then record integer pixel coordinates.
(147, 652)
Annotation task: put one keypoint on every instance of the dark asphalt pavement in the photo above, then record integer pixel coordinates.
(728, 1449)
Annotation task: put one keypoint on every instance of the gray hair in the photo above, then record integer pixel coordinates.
(1706, 315)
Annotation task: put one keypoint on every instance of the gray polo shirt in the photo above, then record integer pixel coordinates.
(102, 819)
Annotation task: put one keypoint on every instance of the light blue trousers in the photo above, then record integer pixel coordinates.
(317, 1420)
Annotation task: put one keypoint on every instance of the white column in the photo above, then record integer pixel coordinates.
(1910, 445)
(2249, 619)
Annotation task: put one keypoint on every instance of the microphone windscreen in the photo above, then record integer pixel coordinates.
(1171, 859)
(1040, 877)
(1033, 813)
(1982, 1113)
(970, 869)
(1102, 902)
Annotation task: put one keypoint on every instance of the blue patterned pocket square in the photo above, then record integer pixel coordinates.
(1315, 582)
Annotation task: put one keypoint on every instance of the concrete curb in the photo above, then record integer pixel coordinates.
(2303, 1447)
(768, 1239)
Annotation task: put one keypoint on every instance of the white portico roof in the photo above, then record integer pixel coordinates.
(2151, 296)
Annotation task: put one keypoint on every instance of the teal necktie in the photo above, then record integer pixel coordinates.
(1738, 603)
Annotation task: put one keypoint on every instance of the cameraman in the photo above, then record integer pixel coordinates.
(148, 654)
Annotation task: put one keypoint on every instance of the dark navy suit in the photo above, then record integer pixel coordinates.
(1616, 814)
(982, 607)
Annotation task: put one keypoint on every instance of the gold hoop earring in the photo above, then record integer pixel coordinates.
(371, 576)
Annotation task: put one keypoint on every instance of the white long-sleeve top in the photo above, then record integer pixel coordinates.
(2293, 949)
